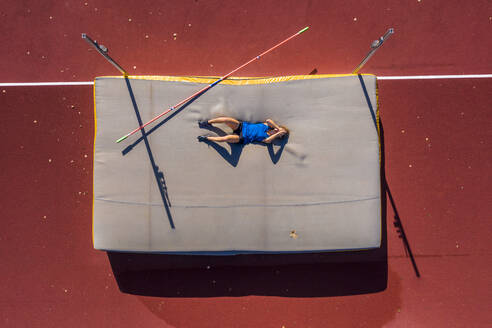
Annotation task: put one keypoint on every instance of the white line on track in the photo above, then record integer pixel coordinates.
(430, 77)
(38, 84)
(408, 77)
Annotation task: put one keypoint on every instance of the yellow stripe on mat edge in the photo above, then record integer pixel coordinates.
(93, 160)
(231, 80)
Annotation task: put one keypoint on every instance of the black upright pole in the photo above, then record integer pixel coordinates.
(374, 47)
(103, 51)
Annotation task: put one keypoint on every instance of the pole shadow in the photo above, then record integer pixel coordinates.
(164, 121)
(159, 175)
(368, 100)
(397, 223)
(314, 71)
(384, 183)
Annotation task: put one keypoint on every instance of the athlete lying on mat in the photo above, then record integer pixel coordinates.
(245, 132)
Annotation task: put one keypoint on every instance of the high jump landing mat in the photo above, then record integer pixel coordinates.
(162, 191)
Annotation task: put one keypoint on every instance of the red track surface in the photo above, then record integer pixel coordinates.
(437, 139)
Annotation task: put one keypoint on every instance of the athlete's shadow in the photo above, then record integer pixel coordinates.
(233, 156)
(279, 144)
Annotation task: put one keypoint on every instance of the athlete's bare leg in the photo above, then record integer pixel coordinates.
(231, 138)
(230, 121)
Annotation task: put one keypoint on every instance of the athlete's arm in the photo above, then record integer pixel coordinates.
(280, 133)
(272, 124)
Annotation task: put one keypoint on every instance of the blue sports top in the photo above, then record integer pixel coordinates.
(254, 132)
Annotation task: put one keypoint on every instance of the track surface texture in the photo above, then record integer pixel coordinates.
(437, 160)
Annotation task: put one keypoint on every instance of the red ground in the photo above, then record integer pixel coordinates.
(437, 138)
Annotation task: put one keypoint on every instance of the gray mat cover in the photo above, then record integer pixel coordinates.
(325, 186)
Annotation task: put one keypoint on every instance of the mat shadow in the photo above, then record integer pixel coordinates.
(286, 275)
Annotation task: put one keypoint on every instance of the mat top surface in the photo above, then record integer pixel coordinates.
(318, 190)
